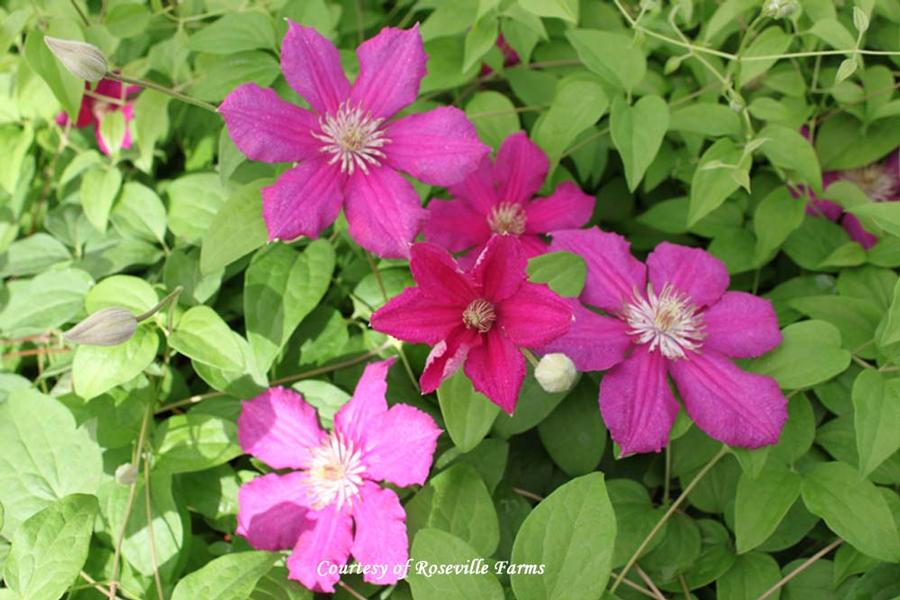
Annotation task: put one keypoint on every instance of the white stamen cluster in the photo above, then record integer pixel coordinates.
(353, 137)
(335, 472)
(668, 321)
(875, 180)
(507, 218)
(480, 315)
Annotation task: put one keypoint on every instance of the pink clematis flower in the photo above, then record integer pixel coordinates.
(330, 505)
(672, 315)
(93, 109)
(349, 151)
(480, 317)
(498, 199)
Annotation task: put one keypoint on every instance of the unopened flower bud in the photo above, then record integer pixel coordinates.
(126, 474)
(81, 59)
(779, 9)
(107, 327)
(555, 372)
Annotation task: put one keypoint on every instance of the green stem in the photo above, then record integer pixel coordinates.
(665, 518)
(144, 83)
(81, 13)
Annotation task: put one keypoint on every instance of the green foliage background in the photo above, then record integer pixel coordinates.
(683, 118)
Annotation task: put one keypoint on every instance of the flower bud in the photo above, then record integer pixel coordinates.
(81, 59)
(126, 474)
(779, 9)
(555, 372)
(107, 327)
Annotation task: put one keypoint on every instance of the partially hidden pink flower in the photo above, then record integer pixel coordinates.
(330, 505)
(94, 107)
(480, 318)
(672, 316)
(880, 181)
(510, 56)
(349, 151)
(499, 198)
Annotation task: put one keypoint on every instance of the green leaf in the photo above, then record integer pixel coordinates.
(635, 519)
(563, 272)
(761, 503)
(494, 117)
(468, 415)
(876, 411)
(43, 457)
(46, 301)
(776, 216)
(843, 143)
(560, 9)
(236, 230)
(884, 214)
(533, 407)
(611, 55)
(151, 122)
(820, 245)
(232, 70)
(67, 88)
(832, 32)
(707, 119)
(573, 434)
(32, 255)
(235, 32)
(638, 132)
(578, 103)
(50, 548)
(771, 41)
(140, 213)
(855, 318)
(194, 200)
(275, 585)
(571, 533)
(810, 353)
(14, 144)
(98, 190)
(203, 336)
(229, 577)
(890, 326)
(281, 287)
(479, 40)
(853, 508)
(711, 186)
(431, 550)
(98, 369)
(678, 550)
(787, 149)
(749, 577)
(112, 130)
(121, 290)
(194, 442)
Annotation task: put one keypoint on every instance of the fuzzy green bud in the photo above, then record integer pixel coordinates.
(107, 327)
(81, 59)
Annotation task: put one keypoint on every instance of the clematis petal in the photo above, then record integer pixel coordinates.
(567, 208)
(439, 147)
(266, 128)
(636, 403)
(438, 275)
(497, 369)
(824, 208)
(364, 409)
(272, 510)
(857, 232)
(325, 543)
(500, 269)
(692, 271)
(454, 225)
(312, 66)
(279, 428)
(383, 211)
(731, 405)
(594, 342)
(401, 446)
(380, 534)
(303, 201)
(520, 169)
(613, 274)
(478, 189)
(391, 65)
(446, 357)
(416, 318)
(534, 316)
(533, 245)
(741, 325)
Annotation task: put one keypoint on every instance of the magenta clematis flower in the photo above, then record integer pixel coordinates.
(349, 152)
(330, 505)
(672, 316)
(480, 317)
(497, 199)
(94, 108)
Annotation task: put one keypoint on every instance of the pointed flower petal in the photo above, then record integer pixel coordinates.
(325, 544)
(567, 208)
(731, 405)
(520, 169)
(534, 316)
(446, 357)
(391, 65)
(360, 414)
(272, 510)
(500, 269)
(303, 201)
(438, 275)
(279, 428)
(416, 318)
(401, 446)
(741, 325)
(692, 271)
(454, 225)
(497, 369)
(478, 190)
(312, 66)
(380, 533)
(594, 342)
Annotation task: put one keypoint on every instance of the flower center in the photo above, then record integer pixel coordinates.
(335, 472)
(668, 321)
(353, 137)
(480, 315)
(875, 181)
(507, 218)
